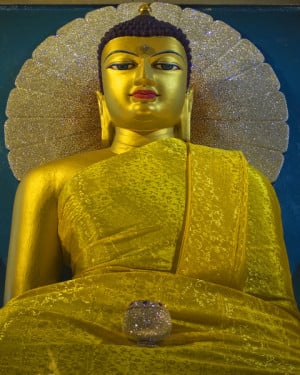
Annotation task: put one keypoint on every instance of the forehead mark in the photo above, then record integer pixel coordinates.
(146, 50)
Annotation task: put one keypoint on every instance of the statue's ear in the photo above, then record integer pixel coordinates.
(107, 130)
(184, 127)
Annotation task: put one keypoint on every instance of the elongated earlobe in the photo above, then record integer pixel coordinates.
(184, 127)
(107, 130)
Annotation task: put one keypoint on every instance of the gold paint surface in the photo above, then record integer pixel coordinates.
(144, 82)
(123, 224)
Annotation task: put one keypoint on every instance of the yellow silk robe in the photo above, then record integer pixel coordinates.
(190, 226)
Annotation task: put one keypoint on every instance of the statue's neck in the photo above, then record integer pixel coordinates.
(125, 140)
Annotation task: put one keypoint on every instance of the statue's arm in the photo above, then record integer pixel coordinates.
(34, 257)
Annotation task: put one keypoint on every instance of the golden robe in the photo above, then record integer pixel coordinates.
(193, 227)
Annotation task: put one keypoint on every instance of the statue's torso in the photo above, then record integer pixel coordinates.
(126, 211)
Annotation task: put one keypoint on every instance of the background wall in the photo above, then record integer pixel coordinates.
(273, 29)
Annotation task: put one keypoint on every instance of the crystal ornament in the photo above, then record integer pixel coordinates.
(147, 322)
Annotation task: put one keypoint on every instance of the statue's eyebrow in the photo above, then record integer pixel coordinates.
(167, 51)
(120, 51)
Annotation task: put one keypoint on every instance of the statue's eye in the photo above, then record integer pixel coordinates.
(166, 66)
(122, 66)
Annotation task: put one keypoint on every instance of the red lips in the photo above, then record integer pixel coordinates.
(144, 94)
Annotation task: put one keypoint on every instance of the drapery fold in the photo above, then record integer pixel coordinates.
(121, 224)
(215, 223)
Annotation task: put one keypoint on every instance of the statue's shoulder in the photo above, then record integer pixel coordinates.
(53, 175)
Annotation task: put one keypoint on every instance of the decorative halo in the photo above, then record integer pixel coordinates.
(53, 111)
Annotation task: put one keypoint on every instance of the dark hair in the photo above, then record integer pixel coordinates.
(145, 25)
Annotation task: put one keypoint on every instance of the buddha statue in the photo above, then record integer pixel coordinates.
(150, 217)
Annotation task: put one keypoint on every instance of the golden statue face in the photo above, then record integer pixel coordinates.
(144, 82)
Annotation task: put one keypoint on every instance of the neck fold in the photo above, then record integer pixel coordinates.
(125, 140)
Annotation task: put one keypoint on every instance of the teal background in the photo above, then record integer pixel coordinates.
(275, 30)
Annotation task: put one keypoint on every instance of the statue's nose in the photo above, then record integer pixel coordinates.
(144, 74)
